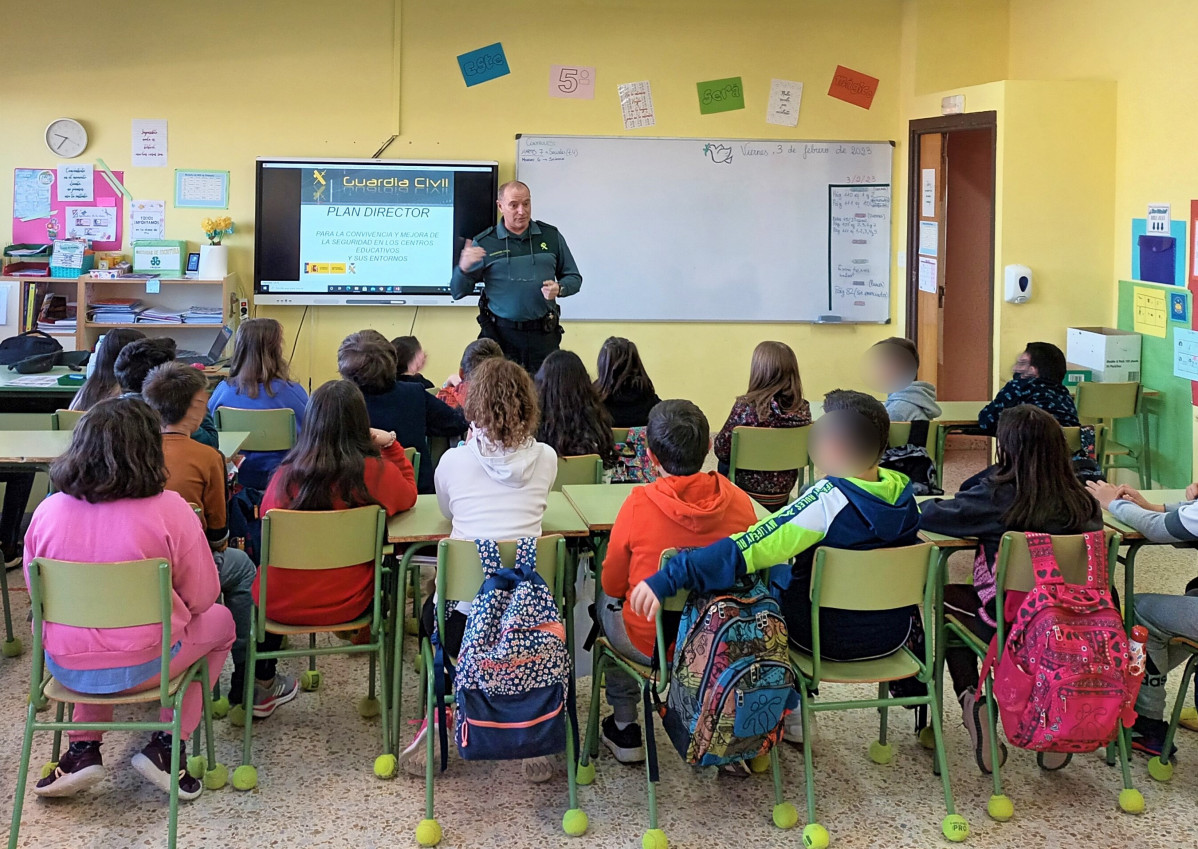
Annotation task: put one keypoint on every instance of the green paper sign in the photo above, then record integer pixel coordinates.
(721, 96)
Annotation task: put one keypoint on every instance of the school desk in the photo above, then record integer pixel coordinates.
(599, 503)
(423, 526)
(15, 398)
(39, 448)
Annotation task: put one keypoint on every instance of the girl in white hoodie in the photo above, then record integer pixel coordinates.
(494, 487)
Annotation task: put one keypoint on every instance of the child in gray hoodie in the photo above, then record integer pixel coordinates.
(892, 366)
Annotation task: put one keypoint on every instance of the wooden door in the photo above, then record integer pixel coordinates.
(930, 305)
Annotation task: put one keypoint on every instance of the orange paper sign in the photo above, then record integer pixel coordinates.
(853, 87)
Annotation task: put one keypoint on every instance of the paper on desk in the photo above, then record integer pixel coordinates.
(35, 380)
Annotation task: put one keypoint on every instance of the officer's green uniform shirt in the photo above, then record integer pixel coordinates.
(515, 268)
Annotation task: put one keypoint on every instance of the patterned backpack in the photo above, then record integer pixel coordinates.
(732, 681)
(513, 676)
(1063, 682)
(632, 459)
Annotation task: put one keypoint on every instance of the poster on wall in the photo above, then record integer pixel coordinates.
(40, 209)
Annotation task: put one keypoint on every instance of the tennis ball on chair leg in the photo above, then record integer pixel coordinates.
(216, 778)
(197, 765)
(575, 822)
(880, 753)
(785, 815)
(310, 680)
(11, 648)
(815, 836)
(955, 827)
(1159, 770)
(761, 763)
(585, 774)
(1131, 801)
(654, 838)
(245, 777)
(385, 766)
(1000, 808)
(428, 833)
(220, 707)
(368, 708)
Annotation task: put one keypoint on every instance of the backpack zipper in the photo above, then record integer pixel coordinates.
(716, 636)
(730, 687)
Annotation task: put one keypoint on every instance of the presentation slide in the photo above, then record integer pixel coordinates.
(373, 227)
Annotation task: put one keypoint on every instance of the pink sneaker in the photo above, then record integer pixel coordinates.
(414, 759)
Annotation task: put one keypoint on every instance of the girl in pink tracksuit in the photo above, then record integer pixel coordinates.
(110, 506)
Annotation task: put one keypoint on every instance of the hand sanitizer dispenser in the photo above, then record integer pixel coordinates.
(1018, 289)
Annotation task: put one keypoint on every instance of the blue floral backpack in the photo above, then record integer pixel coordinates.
(512, 683)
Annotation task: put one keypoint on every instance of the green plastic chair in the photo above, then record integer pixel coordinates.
(1104, 403)
(1162, 770)
(605, 655)
(413, 458)
(584, 468)
(65, 419)
(619, 435)
(111, 595)
(881, 579)
(460, 576)
(269, 430)
(1073, 439)
(771, 449)
(900, 435)
(1013, 573)
(309, 540)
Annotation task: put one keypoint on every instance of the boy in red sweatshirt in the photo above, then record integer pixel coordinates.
(683, 507)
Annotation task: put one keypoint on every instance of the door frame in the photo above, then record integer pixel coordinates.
(945, 124)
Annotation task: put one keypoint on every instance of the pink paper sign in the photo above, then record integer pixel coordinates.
(572, 81)
(42, 231)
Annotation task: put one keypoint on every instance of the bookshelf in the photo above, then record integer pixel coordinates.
(174, 295)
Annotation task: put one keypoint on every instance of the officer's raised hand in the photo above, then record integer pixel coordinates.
(471, 256)
(551, 289)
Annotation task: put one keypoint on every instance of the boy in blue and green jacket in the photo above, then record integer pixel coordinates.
(857, 506)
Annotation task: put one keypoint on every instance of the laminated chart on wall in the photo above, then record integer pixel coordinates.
(858, 249)
(1185, 353)
(1150, 311)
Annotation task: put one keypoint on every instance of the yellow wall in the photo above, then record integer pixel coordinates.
(958, 43)
(314, 78)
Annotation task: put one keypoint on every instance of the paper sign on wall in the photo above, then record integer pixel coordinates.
(483, 64)
(636, 105)
(1179, 307)
(1185, 353)
(1158, 219)
(726, 95)
(147, 219)
(927, 274)
(75, 182)
(853, 87)
(928, 203)
(929, 238)
(202, 189)
(149, 142)
(1149, 311)
(572, 81)
(31, 194)
(783, 108)
(93, 223)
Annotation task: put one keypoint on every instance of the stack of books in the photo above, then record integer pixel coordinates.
(57, 315)
(157, 316)
(115, 310)
(203, 315)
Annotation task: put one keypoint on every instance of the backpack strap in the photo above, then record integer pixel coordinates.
(500, 577)
(1097, 575)
(1044, 563)
(442, 682)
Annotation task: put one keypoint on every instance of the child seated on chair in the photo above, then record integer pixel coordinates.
(340, 462)
(893, 366)
(454, 391)
(1038, 378)
(179, 394)
(857, 505)
(494, 487)
(573, 419)
(368, 359)
(409, 360)
(259, 379)
(136, 360)
(1166, 616)
(110, 506)
(1031, 488)
(683, 507)
(775, 399)
(624, 385)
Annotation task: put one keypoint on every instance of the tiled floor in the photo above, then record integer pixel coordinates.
(316, 787)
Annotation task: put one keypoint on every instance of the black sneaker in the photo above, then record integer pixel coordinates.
(1148, 736)
(154, 764)
(627, 744)
(79, 768)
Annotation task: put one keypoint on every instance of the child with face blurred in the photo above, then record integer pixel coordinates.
(891, 367)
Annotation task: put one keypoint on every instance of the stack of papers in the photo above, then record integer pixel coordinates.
(204, 315)
(115, 310)
(157, 316)
(64, 324)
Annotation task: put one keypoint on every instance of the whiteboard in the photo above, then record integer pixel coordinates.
(670, 229)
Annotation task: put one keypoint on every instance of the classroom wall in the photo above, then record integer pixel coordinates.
(309, 77)
(958, 43)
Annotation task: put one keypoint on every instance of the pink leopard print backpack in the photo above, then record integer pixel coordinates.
(1062, 683)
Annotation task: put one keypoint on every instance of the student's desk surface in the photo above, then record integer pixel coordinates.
(8, 377)
(599, 503)
(1154, 496)
(943, 541)
(43, 446)
(424, 522)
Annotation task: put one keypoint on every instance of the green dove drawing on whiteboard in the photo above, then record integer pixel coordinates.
(720, 153)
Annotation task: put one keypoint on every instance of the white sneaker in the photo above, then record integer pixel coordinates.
(792, 730)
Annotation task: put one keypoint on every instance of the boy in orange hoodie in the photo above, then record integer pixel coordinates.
(683, 507)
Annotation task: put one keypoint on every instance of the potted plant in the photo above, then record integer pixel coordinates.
(214, 256)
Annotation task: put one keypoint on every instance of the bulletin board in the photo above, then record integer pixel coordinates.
(34, 230)
(1169, 414)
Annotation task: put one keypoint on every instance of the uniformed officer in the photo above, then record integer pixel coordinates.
(525, 266)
